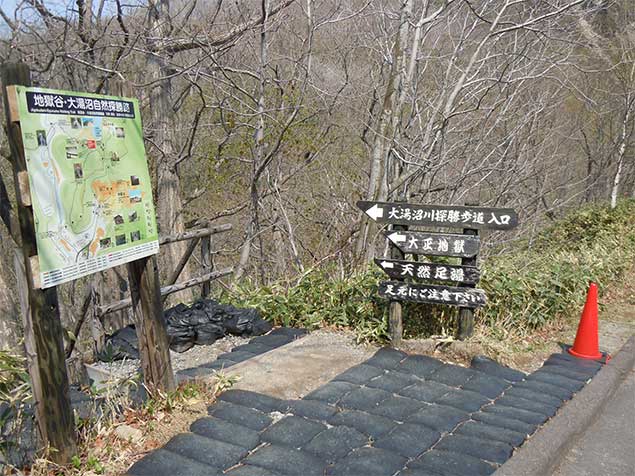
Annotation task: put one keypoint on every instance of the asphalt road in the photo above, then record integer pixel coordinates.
(607, 448)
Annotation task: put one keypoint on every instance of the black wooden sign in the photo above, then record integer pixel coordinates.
(432, 294)
(398, 269)
(435, 244)
(440, 215)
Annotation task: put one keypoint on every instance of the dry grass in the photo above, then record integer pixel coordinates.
(526, 350)
(103, 452)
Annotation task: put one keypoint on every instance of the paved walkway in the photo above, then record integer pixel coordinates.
(608, 446)
(394, 414)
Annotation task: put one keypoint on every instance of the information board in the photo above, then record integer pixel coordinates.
(90, 186)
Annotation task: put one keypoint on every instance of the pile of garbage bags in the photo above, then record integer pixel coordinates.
(202, 323)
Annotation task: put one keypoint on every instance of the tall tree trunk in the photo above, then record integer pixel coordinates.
(169, 203)
(385, 129)
(620, 160)
(253, 227)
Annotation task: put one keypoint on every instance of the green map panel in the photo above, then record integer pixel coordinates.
(89, 179)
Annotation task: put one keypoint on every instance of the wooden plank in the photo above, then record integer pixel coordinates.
(183, 261)
(435, 244)
(34, 263)
(440, 215)
(125, 303)
(25, 190)
(47, 362)
(196, 281)
(200, 233)
(12, 99)
(432, 294)
(207, 264)
(400, 269)
(154, 350)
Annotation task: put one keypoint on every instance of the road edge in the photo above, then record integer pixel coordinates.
(543, 451)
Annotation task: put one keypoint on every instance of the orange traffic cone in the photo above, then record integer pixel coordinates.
(586, 345)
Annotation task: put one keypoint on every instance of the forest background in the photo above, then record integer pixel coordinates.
(278, 115)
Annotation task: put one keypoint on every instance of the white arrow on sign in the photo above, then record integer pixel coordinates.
(387, 265)
(375, 212)
(397, 237)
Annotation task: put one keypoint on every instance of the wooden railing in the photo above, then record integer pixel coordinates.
(203, 236)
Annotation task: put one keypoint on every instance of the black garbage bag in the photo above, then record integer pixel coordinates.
(245, 322)
(120, 345)
(235, 321)
(209, 333)
(181, 333)
(192, 325)
(202, 323)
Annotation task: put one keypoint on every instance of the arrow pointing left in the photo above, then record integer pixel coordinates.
(375, 212)
(397, 237)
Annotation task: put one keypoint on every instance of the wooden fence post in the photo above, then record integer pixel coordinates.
(43, 327)
(208, 265)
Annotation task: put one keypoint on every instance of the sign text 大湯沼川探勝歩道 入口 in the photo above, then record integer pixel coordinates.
(399, 213)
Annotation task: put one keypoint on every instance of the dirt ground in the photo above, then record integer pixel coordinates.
(328, 353)
(528, 352)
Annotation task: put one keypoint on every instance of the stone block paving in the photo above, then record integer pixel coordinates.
(393, 415)
(256, 346)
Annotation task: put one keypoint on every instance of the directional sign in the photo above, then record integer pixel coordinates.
(397, 269)
(440, 215)
(432, 294)
(435, 244)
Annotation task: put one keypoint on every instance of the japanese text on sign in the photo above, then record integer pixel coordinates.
(440, 215)
(429, 271)
(49, 103)
(466, 217)
(435, 243)
(433, 294)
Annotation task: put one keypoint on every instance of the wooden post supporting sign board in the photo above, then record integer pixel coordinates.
(64, 237)
(466, 314)
(154, 350)
(466, 246)
(395, 319)
(47, 363)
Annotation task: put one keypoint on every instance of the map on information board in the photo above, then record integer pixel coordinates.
(90, 186)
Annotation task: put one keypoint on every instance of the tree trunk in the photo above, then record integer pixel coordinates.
(621, 152)
(253, 227)
(387, 125)
(168, 199)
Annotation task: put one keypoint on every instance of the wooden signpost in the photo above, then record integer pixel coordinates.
(398, 269)
(432, 294)
(435, 244)
(120, 211)
(41, 313)
(404, 240)
(397, 213)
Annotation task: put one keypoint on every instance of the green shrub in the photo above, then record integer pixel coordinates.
(531, 286)
(319, 300)
(526, 287)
